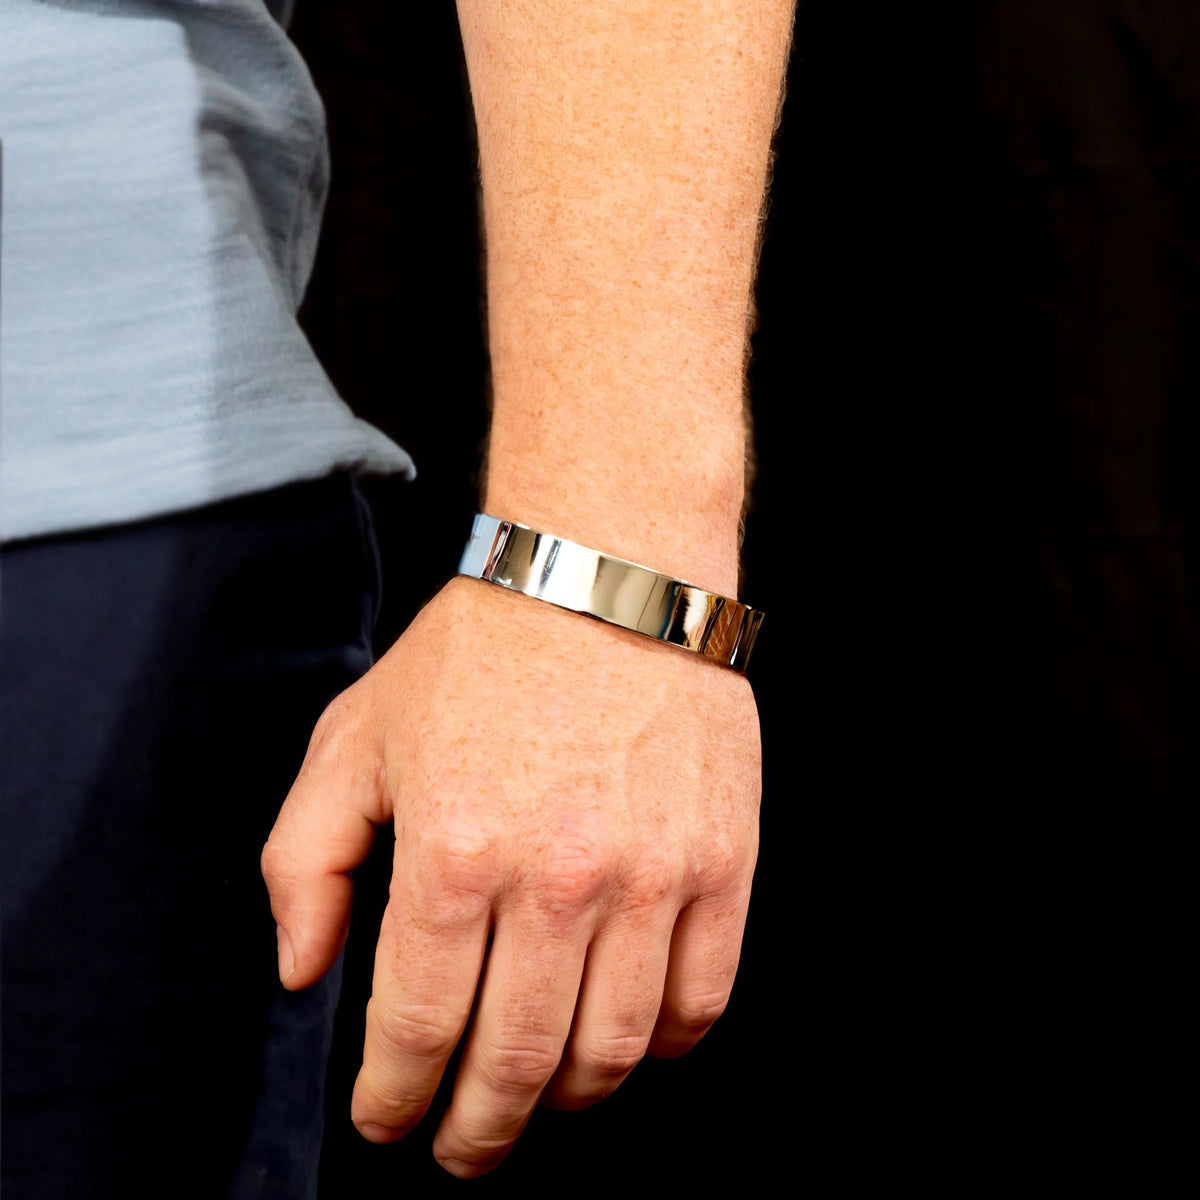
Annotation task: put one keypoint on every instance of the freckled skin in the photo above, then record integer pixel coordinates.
(585, 796)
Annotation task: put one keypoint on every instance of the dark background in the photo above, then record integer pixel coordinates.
(974, 532)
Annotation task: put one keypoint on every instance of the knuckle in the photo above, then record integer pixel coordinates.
(398, 1115)
(423, 1031)
(381, 1097)
(463, 861)
(570, 878)
(481, 1146)
(456, 881)
(335, 730)
(520, 1067)
(655, 878)
(277, 866)
(728, 860)
(695, 1014)
(612, 1057)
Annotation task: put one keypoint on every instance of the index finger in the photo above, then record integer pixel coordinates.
(427, 964)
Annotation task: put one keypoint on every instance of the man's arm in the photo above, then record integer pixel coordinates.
(585, 795)
(624, 151)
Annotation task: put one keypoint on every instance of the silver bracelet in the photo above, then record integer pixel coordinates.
(610, 589)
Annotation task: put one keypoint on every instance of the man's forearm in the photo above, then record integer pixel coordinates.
(624, 152)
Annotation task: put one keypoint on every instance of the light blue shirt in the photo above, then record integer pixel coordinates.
(164, 173)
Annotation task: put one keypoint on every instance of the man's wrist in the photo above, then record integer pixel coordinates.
(692, 533)
(540, 564)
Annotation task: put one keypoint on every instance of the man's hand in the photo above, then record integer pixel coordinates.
(586, 797)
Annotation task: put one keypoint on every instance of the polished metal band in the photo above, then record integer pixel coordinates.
(610, 589)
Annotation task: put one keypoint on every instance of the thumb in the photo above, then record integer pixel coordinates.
(324, 830)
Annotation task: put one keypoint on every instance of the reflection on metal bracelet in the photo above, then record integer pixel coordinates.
(610, 589)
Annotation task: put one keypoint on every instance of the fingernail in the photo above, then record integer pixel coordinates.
(287, 960)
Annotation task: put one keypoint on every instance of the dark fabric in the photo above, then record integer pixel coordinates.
(978, 407)
(1081, 536)
(1086, 336)
(159, 683)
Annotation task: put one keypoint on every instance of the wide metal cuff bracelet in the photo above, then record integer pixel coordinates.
(610, 589)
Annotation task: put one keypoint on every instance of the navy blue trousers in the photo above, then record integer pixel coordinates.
(158, 684)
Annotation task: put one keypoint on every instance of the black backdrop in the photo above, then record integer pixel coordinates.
(973, 532)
